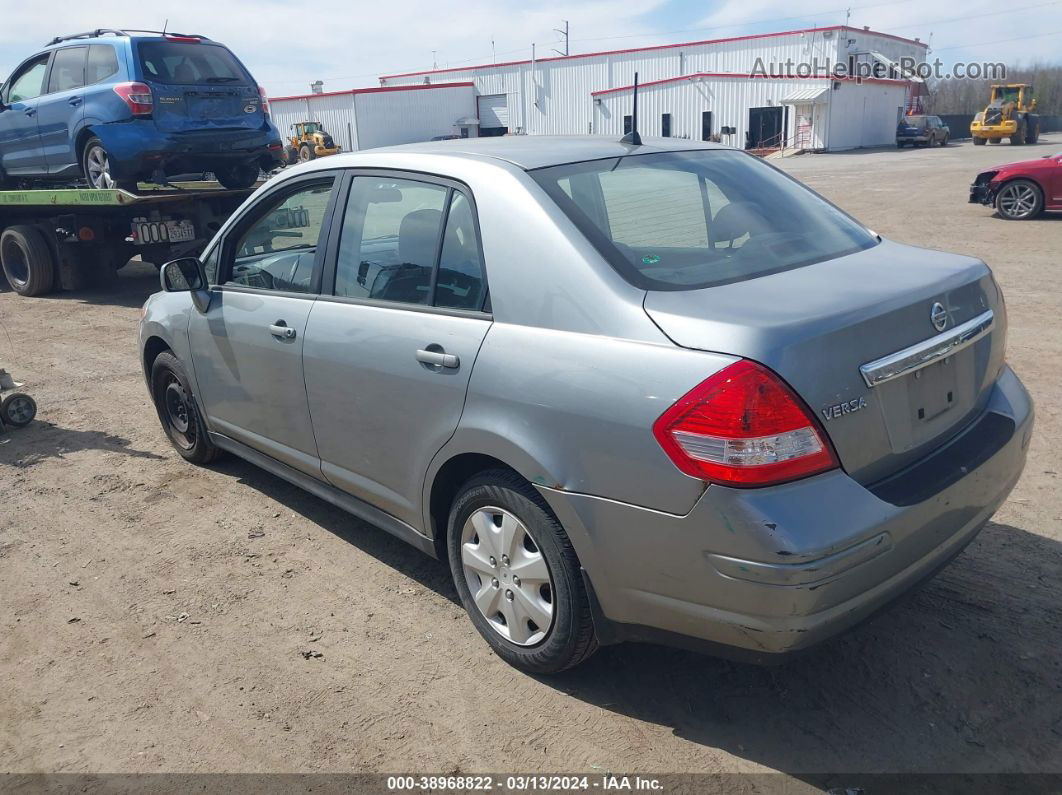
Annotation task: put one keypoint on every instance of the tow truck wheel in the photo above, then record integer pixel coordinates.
(27, 260)
(18, 410)
(239, 176)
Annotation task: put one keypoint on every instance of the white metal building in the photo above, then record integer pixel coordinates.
(367, 117)
(697, 89)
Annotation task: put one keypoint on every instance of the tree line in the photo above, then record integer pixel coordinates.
(971, 96)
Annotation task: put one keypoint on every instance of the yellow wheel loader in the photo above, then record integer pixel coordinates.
(309, 142)
(1011, 113)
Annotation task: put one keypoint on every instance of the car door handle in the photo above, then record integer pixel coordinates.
(282, 330)
(438, 359)
(31, 111)
(74, 100)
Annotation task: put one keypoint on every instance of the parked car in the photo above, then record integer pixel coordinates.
(1023, 190)
(661, 392)
(921, 131)
(115, 107)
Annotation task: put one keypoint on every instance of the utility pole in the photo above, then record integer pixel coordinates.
(564, 33)
(434, 62)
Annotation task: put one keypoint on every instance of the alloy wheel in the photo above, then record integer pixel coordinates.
(507, 576)
(1017, 200)
(98, 166)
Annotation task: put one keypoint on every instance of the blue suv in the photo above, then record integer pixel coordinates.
(116, 107)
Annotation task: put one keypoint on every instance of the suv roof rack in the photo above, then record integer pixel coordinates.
(98, 32)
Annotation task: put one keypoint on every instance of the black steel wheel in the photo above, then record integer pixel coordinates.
(177, 410)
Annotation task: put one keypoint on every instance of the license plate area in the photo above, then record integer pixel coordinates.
(926, 403)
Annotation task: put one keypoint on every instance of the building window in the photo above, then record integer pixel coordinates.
(626, 125)
(706, 125)
(665, 125)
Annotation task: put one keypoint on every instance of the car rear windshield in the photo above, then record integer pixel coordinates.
(914, 121)
(189, 63)
(686, 220)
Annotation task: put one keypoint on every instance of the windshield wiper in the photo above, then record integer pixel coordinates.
(223, 79)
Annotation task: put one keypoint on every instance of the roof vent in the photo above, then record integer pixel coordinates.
(317, 86)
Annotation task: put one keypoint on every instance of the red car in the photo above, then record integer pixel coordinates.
(1020, 191)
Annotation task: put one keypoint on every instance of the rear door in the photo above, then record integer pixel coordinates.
(247, 348)
(61, 108)
(198, 85)
(391, 343)
(20, 140)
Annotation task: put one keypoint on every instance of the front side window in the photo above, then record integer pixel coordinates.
(68, 69)
(29, 82)
(277, 250)
(390, 238)
(693, 219)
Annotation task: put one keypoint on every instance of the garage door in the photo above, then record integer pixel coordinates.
(493, 111)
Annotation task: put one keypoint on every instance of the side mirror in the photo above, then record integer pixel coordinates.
(187, 275)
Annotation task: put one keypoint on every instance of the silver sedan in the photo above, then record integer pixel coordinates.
(658, 393)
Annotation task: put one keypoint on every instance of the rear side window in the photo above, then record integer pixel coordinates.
(68, 69)
(189, 63)
(693, 219)
(102, 63)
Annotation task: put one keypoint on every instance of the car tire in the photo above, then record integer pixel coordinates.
(96, 168)
(18, 410)
(291, 156)
(899, 145)
(175, 404)
(1019, 200)
(506, 503)
(943, 142)
(306, 153)
(27, 260)
(239, 176)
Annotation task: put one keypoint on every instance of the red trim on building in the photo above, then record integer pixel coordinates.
(377, 90)
(657, 47)
(731, 76)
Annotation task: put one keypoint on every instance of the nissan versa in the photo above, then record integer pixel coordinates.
(658, 392)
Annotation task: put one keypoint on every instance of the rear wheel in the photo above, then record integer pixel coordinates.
(518, 576)
(238, 176)
(306, 153)
(899, 144)
(18, 410)
(27, 260)
(97, 167)
(177, 410)
(1019, 200)
(1032, 131)
(979, 141)
(944, 141)
(291, 155)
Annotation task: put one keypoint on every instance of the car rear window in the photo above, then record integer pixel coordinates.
(693, 219)
(189, 63)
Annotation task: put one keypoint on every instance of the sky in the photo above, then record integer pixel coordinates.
(349, 44)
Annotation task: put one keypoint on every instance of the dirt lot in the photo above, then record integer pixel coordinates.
(159, 617)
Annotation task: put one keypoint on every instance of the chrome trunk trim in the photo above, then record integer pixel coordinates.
(923, 354)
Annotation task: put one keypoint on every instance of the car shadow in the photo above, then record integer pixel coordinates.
(130, 288)
(41, 440)
(962, 675)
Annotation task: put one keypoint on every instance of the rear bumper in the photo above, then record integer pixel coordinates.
(138, 148)
(912, 139)
(759, 573)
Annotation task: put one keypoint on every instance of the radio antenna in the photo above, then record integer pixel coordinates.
(633, 138)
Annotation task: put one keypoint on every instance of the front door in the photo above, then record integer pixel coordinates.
(20, 141)
(390, 350)
(247, 348)
(765, 127)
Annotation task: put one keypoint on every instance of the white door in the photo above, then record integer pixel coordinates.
(493, 111)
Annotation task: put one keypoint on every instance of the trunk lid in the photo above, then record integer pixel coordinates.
(817, 325)
(198, 85)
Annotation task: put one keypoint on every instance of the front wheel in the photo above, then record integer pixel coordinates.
(518, 576)
(176, 407)
(239, 176)
(1019, 200)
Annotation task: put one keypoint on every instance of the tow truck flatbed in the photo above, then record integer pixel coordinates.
(67, 238)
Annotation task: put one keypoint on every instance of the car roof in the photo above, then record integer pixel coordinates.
(110, 36)
(540, 151)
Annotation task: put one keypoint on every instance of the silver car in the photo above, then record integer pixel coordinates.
(658, 393)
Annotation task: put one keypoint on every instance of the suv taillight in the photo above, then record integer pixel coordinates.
(744, 427)
(137, 96)
(265, 100)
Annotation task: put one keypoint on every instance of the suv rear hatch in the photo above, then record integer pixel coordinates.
(198, 85)
(817, 326)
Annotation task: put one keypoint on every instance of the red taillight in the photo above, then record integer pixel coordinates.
(174, 37)
(265, 100)
(743, 427)
(137, 96)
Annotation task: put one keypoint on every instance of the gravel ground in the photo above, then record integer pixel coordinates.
(159, 617)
